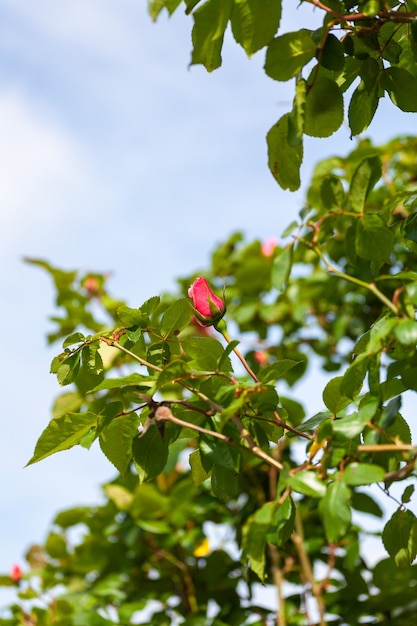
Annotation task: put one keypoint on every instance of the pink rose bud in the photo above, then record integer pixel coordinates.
(268, 246)
(208, 308)
(16, 573)
(262, 357)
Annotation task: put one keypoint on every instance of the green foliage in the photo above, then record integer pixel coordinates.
(369, 45)
(203, 427)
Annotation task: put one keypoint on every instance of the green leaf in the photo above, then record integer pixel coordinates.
(116, 440)
(407, 493)
(281, 268)
(176, 317)
(150, 453)
(362, 107)
(331, 56)
(132, 380)
(332, 193)
(406, 332)
(283, 520)
(364, 503)
(284, 160)
(364, 178)
(132, 317)
(155, 7)
(401, 86)
(287, 54)
(74, 338)
(335, 511)
(333, 397)
(277, 370)
(210, 21)
(69, 369)
(400, 537)
(254, 538)
(350, 426)
(206, 353)
(324, 108)
(63, 433)
(255, 22)
(224, 482)
(296, 117)
(363, 474)
(374, 240)
(307, 483)
(353, 378)
(198, 473)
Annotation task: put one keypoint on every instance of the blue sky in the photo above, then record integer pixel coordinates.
(116, 156)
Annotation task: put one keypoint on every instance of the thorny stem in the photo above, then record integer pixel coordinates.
(298, 540)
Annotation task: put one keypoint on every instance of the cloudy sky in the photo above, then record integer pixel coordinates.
(116, 156)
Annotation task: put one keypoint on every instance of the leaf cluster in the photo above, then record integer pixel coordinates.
(362, 52)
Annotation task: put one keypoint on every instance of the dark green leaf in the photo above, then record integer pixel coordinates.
(296, 117)
(408, 492)
(332, 54)
(150, 453)
(116, 440)
(254, 537)
(364, 178)
(374, 240)
(400, 537)
(362, 107)
(324, 108)
(284, 160)
(401, 87)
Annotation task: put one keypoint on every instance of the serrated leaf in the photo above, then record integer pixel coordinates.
(224, 482)
(364, 178)
(352, 380)
(400, 537)
(68, 370)
(255, 22)
(335, 511)
(131, 317)
(210, 21)
(332, 193)
(363, 474)
(284, 160)
(74, 338)
(287, 54)
(374, 240)
(323, 109)
(133, 380)
(63, 433)
(362, 107)
(176, 317)
(150, 453)
(116, 440)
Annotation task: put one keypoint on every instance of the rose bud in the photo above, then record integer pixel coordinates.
(268, 246)
(16, 573)
(208, 308)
